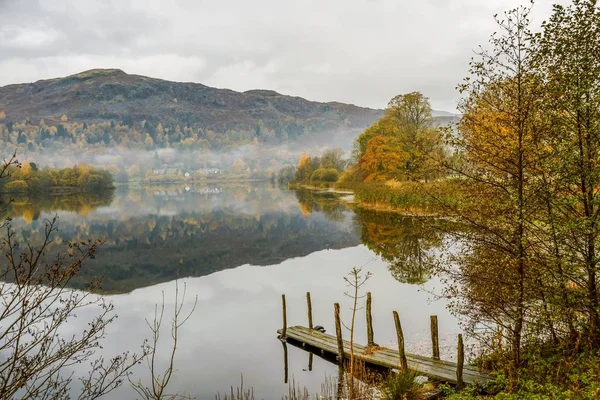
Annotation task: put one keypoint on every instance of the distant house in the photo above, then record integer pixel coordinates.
(159, 171)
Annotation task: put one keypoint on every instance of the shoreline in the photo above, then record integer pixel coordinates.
(349, 198)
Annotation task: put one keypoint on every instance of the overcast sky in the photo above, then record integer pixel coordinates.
(356, 51)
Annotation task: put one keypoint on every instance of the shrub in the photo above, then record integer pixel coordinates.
(16, 187)
(325, 175)
(401, 386)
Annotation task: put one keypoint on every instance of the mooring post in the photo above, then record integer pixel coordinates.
(310, 361)
(435, 342)
(370, 340)
(401, 353)
(460, 362)
(284, 329)
(338, 333)
(309, 306)
(285, 363)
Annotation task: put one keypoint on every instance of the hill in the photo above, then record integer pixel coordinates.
(102, 95)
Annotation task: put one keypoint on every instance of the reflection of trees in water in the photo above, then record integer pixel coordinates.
(201, 236)
(30, 207)
(405, 242)
(327, 203)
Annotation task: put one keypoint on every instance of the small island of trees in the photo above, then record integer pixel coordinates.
(28, 178)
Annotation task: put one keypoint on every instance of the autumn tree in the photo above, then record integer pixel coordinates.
(403, 144)
(304, 168)
(569, 62)
(498, 130)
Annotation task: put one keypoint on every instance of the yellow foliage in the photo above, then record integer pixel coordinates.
(26, 169)
(305, 208)
(28, 215)
(84, 210)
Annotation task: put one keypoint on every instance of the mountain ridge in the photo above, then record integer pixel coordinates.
(112, 94)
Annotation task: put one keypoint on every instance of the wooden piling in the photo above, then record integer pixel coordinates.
(435, 342)
(310, 361)
(338, 333)
(460, 363)
(401, 352)
(285, 363)
(370, 340)
(309, 307)
(284, 329)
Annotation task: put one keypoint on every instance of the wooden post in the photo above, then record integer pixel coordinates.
(309, 306)
(338, 333)
(310, 361)
(435, 342)
(285, 363)
(401, 353)
(284, 329)
(370, 340)
(460, 362)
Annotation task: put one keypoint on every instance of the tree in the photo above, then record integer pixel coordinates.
(499, 130)
(569, 63)
(36, 304)
(304, 168)
(157, 388)
(334, 158)
(402, 144)
(410, 111)
(384, 158)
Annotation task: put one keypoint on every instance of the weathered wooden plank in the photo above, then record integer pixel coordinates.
(387, 358)
(326, 339)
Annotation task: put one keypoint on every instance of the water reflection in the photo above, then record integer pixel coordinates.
(327, 203)
(160, 233)
(30, 208)
(242, 247)
(407, 243)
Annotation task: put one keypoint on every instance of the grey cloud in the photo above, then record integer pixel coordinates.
(362, 52)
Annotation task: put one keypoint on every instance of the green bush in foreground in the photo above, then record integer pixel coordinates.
(401, 386)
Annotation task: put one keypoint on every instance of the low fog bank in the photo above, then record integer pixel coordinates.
(255, 161)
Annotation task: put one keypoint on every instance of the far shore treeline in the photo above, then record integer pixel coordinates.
(28, 178)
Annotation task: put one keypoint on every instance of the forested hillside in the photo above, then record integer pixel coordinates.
(110, 107)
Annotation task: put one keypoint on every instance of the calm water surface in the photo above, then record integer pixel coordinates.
(238, 248)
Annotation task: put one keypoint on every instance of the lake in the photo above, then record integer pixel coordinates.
(237, 248)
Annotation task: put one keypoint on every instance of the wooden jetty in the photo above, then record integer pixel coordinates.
(432, 367)
(438, 370)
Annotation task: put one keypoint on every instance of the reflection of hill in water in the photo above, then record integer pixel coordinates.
(158, 234)
(155, 235)
(148, 250)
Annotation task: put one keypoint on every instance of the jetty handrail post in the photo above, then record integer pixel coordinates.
(401, 352)
(370, 340)
(460, 363)
(309, 307)
(435, 342)
(284, 329)
(338, 332)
